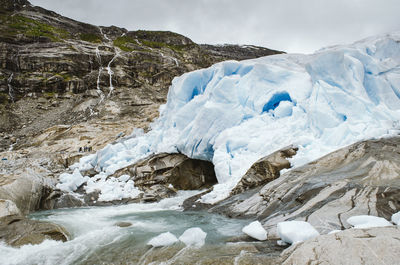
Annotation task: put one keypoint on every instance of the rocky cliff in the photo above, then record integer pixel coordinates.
(54, 70)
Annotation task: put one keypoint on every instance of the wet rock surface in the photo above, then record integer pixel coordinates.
(123, 224)
(363, 178)
(353, 246)
(230, 253)
(17, 231)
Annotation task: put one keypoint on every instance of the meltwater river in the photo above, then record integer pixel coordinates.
(96, 239)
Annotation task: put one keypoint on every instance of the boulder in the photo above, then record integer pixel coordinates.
(24, 183)
(123, 224)
(17, 231)
(8, 208)
(157, 192)
(265, 169)
(352, 246)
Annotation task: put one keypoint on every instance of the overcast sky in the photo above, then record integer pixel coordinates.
(300, 26)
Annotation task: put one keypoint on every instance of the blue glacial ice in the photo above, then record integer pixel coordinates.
(234, 113)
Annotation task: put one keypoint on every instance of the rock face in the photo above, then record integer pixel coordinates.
(25, 181)
(265, 170)
(8, 208)
(178, 170)
(54, 70)
(18, 231)
(361, 179)
(353, 246)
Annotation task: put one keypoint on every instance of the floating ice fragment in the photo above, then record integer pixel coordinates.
(255, 230)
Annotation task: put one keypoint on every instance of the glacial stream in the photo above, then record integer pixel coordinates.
(96, 239)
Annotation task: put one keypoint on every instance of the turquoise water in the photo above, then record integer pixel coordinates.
(95, 239)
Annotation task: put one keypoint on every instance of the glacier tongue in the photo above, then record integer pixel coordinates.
(234, 113)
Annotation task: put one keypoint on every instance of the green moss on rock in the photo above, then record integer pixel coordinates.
(90, 37)
(123, 43)
(17, 24)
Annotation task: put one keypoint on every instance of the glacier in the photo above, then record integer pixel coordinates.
(234, 113)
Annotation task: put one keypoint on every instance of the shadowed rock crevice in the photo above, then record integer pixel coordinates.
(181, 172)
(265, 170)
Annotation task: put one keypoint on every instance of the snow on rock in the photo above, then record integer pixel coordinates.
(234, 113)
(193, 237)
(396, 218)
(162, 240)
(293, 232)
(255, 230)
(367, 221)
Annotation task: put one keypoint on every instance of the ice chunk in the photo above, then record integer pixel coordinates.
(255, 230)
(367, 221)
(193, 237)
(71, 182)
(396, 218)
(293, 232)
(162, 240)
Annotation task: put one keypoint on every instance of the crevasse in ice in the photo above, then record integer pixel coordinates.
(234, 113)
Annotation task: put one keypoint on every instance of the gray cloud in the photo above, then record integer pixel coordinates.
(290, 25)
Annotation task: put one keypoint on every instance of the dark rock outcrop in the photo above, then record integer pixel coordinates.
(181, 172)
(265, 170)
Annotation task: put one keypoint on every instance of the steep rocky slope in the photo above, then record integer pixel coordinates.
(54, 70)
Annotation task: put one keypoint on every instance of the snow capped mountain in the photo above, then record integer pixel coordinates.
(234, 113)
